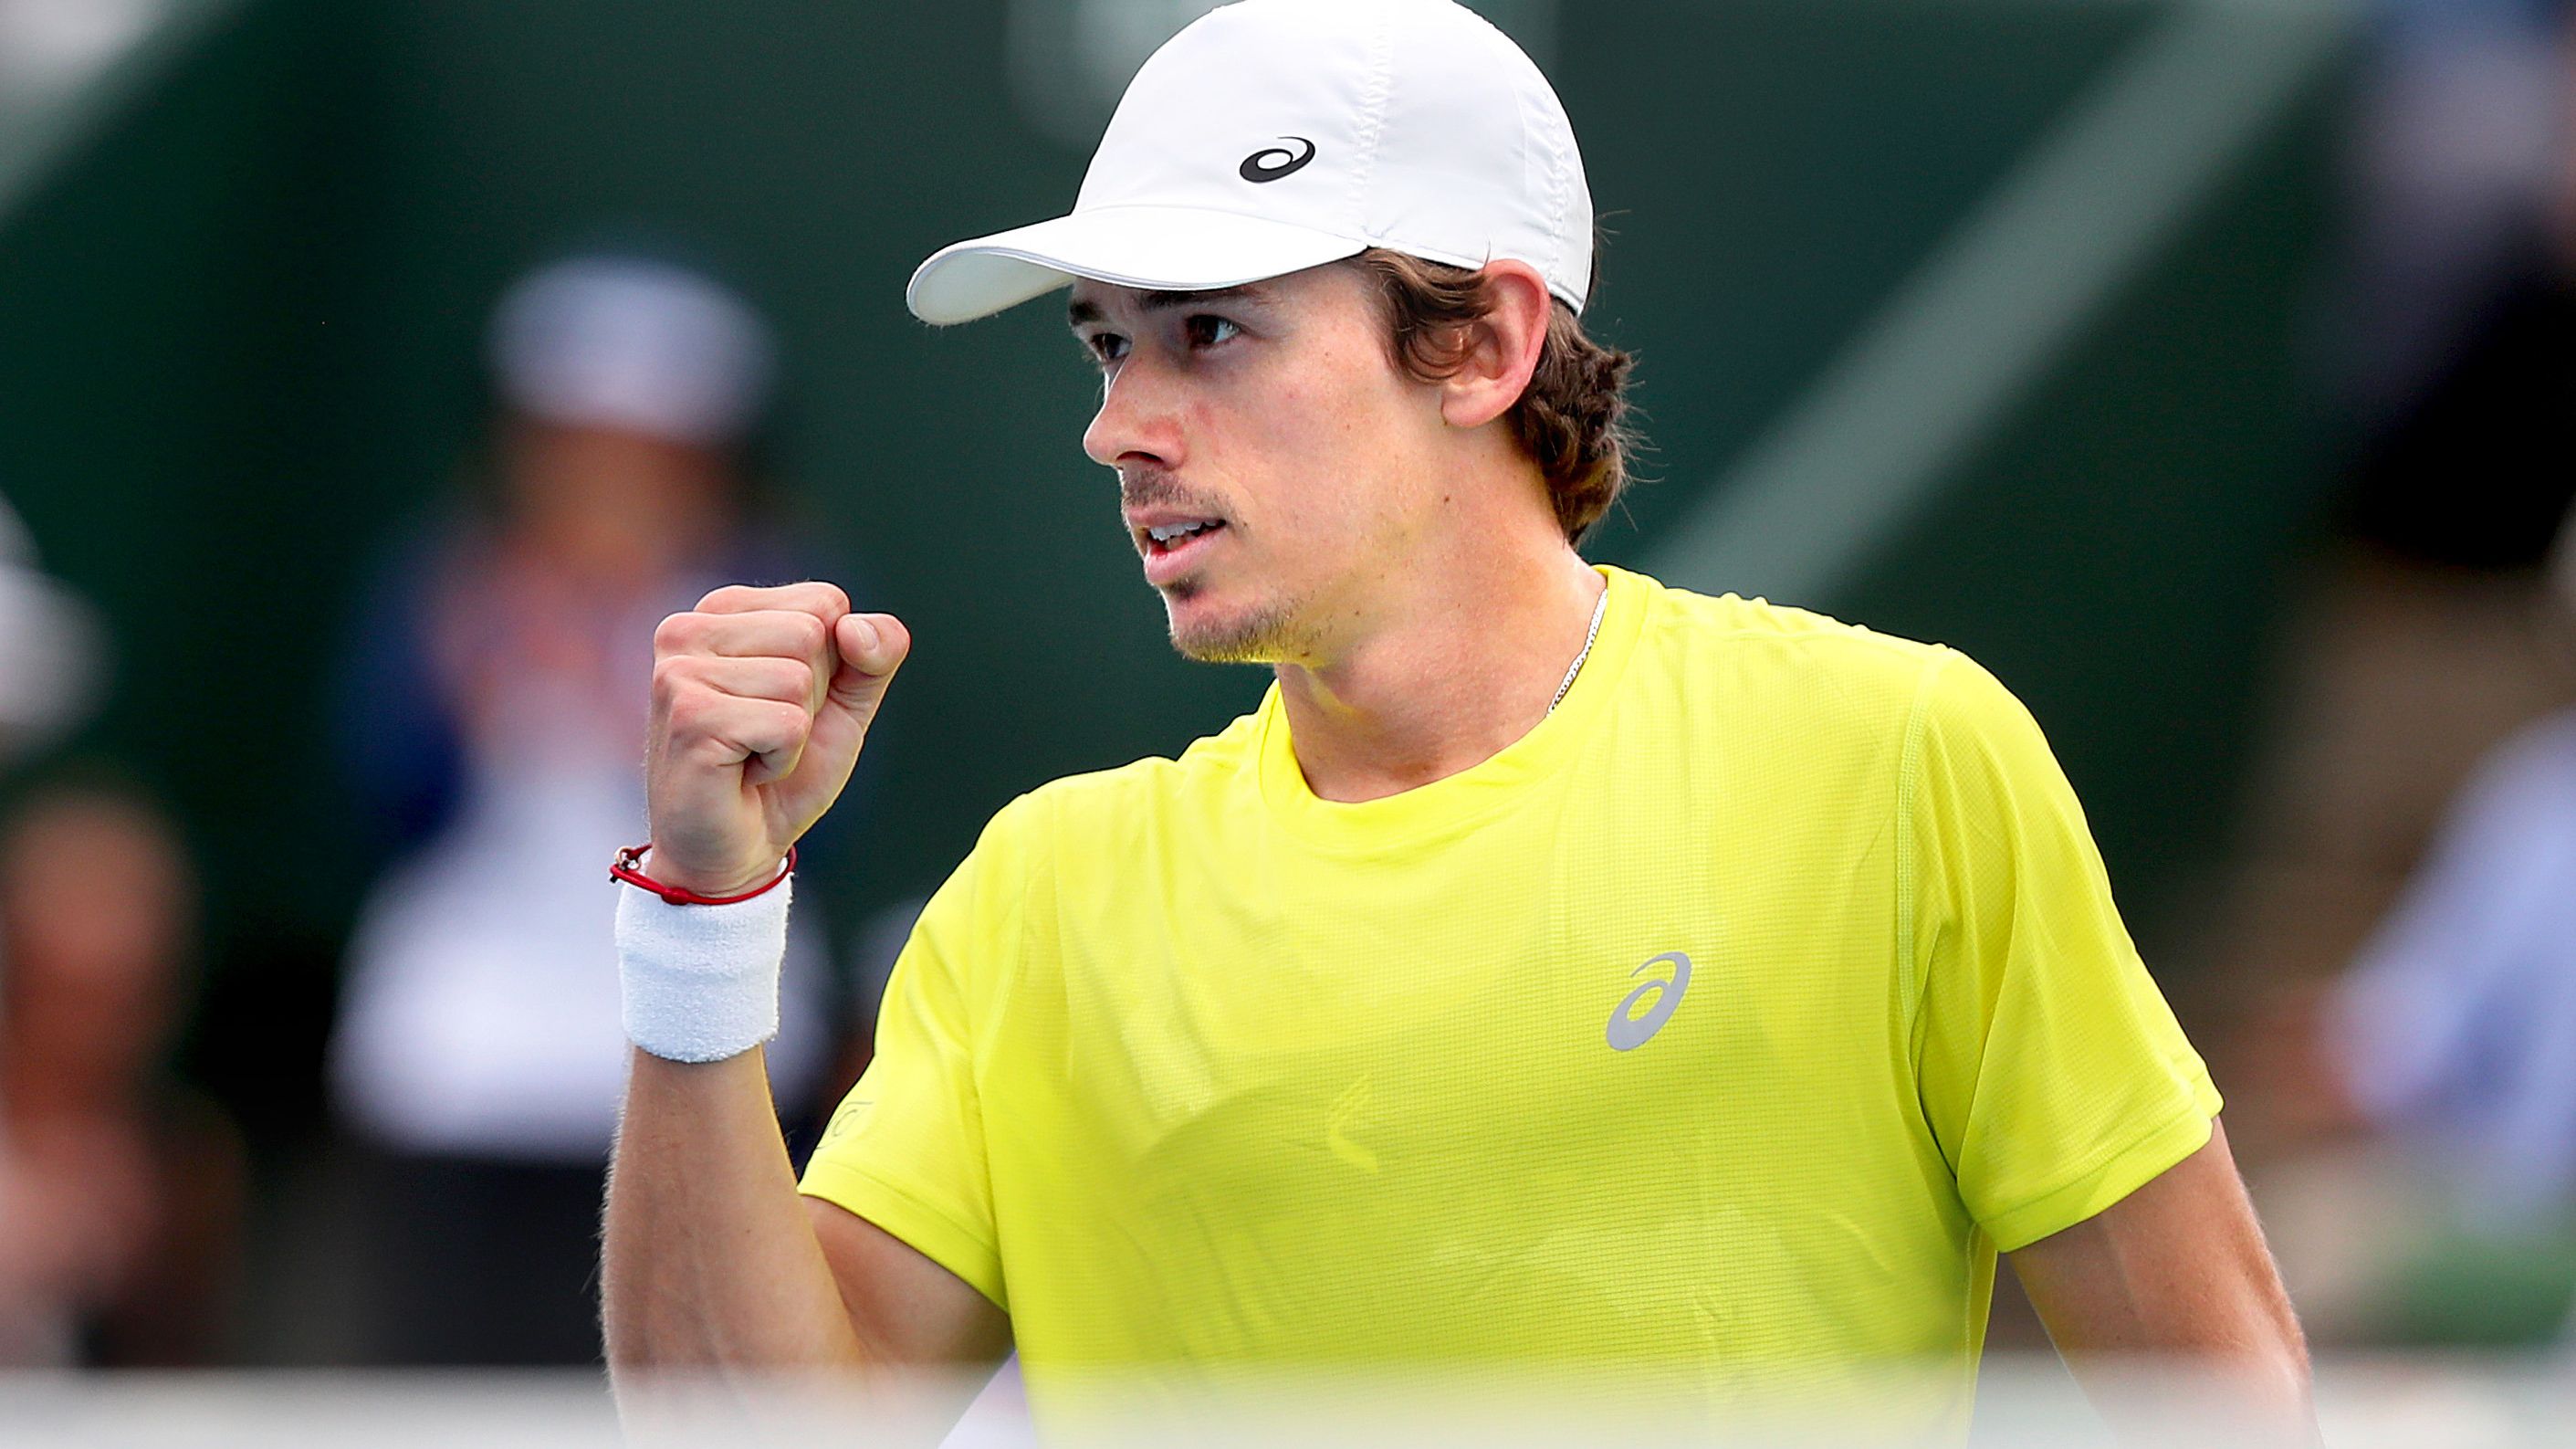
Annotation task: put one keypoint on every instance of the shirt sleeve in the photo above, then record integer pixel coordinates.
(2051, 1071)
(905, 1149)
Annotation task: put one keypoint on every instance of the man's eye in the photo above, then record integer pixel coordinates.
(1207, 331)
(1106, 347)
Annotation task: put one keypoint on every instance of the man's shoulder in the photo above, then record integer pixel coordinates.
(1763, 646)
(1145, 787)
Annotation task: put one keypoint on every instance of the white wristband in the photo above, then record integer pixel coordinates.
(701, 982)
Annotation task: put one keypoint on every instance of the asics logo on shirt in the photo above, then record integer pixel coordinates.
(1631, 1028)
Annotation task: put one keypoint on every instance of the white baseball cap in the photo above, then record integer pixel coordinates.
(1275, 135)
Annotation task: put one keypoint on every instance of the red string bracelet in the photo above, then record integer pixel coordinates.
(626, 868)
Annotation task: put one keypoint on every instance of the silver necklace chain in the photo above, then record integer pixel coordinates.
(1599, 606)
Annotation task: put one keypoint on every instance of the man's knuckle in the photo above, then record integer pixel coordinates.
(678, 633)
(684, 713)
(792, 678)
(787, 724)
(809, 631)
(706, 750)
(673, 674)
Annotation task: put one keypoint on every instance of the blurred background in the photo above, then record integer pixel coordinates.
(373, 373)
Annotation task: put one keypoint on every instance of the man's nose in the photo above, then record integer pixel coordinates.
(1139, 417)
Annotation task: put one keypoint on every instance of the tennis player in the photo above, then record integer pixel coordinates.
(1555, 969)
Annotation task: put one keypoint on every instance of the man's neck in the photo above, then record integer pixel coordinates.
(1467, 668)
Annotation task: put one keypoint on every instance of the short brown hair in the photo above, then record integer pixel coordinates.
(1573, 420)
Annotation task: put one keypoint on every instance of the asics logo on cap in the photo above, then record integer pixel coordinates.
(1276, 161)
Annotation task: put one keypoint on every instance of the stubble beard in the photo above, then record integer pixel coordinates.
(1265, 634)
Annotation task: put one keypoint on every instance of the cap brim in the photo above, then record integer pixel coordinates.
(1159, 248)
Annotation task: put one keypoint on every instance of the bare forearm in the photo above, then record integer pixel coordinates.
(2237, 1364)
(2238, 1317)
(2175, 1282)
(710, 1259)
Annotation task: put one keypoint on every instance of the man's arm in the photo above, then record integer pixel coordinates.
(2175, 1277)
(711, 1262)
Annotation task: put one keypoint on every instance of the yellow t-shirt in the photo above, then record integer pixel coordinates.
(1729, 1021)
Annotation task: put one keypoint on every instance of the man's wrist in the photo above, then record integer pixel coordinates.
(699, 983)
(727, 880)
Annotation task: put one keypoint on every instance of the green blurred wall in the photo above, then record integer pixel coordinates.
(170, 427)
(237, 341)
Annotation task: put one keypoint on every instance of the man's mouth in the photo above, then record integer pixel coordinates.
(1166, 537)
(1172, 546)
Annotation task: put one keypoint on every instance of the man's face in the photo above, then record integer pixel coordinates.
(1275, 467)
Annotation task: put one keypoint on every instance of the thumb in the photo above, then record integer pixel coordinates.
(871, 648)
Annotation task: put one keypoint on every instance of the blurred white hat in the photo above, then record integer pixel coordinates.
(1275, 135)
(51, 648)
(631, 343)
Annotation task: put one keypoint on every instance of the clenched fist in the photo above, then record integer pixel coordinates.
(761, 699)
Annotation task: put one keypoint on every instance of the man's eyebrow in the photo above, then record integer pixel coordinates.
(1166, 301)
(1084, 310)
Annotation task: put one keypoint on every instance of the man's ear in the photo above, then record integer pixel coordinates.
(1503, 347)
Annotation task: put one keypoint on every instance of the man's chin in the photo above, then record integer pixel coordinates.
(1210, 633)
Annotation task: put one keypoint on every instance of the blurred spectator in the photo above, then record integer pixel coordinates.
(49, 648)
(2454, 357)
(2455, 1032)
(121, 1192)
(494, 712)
